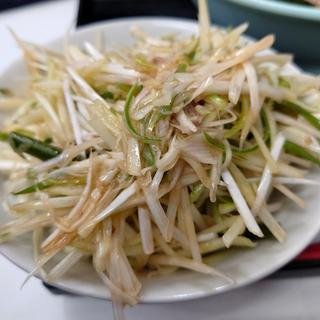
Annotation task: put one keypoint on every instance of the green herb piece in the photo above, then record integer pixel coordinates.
(182, 67)
(284, 83)
(48, 140)
(25, 132)
(216, 213)
(266, 125)
(219, 101)
(114, 111)
(133, 91)
(197, 192)
(23, 144)
(192, 53)
(308, 116)
(4, 136)
(142, 62)
(165, 111)
(124, 87)
(45, 184)
(35, 187)
(149, 155)
(216, 143)
(150, 121)
(300, 152)
(226, 207)
(107, 95)
(136, 90)
(31, 174)
(241, 121)
(5, 92)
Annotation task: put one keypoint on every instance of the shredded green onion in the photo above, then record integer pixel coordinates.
(133, 91)
(45, 184)
(216, 143)
(300, 152)
(26, 132)
(216, 213)
(4, 136)
(308, 116)
(149, 155)
(284, 83)
(107, 95)
(241, 121)
(192, 53)
(165, 111)
(5, 92)
(48, 140)
(142, 62)
(219, 101)
(182, 67)
(23, 144)
(227, 207)
(197, 192)
(124, 87)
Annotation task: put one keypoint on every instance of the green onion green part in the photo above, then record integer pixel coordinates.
(197, 192)
(149, 155)
(300, 152)
(48, 140)
(124, 87)
(284, 83)
(107, 95)
(216, 143)
(182, 67)
(219, 101)
(5, 92)
(23, 144)
(45, 184)
(4, 136)
(308, 116)
(133, 91)
(241, 120)
(191, 54)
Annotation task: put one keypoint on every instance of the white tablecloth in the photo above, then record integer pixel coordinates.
(292, 299)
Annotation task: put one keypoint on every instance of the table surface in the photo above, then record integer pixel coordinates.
(286, 298)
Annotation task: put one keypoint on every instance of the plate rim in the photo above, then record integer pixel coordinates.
(190, 25)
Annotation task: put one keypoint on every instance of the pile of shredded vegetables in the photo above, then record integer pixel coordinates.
(154, 158)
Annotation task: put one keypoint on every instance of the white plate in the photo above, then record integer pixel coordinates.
(244, 266)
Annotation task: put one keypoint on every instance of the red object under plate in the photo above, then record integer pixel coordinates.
(311, 253)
